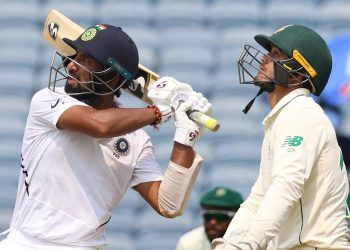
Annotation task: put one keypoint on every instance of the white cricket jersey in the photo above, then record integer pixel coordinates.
(299, 198)
(195, 239)
(71, 181)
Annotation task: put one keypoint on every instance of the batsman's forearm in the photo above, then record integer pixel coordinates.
(182, 155)
(120, 121)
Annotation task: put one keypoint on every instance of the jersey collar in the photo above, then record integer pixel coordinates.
(283, 102)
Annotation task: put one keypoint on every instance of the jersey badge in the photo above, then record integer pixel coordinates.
(292, 142)
(121, 146)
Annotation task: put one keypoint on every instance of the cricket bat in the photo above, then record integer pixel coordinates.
(57, 26)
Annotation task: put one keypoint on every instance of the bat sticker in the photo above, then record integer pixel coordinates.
(137, 87)
(53, 30)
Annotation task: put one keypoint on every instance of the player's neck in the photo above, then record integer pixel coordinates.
(100, 101)
(103, 102)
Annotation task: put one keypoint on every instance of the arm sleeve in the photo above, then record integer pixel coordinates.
(247, 210)
(176, 187)
(48, 106)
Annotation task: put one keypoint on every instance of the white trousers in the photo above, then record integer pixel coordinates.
(19, 241)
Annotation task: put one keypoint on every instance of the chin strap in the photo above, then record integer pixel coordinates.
(250, 104)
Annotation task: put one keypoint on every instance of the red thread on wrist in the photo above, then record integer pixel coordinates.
(157, 113)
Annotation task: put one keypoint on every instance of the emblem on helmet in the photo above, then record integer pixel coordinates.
(89, 34)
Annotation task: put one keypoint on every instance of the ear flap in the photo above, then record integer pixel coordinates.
(281, 75)
(283, 70)
(104, 77)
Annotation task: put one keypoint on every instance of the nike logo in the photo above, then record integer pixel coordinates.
(54, 106)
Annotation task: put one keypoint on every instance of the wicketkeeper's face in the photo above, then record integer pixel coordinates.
(216, 222)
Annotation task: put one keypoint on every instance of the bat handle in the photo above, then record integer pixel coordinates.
(209, 122)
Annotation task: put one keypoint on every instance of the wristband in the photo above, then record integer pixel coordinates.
(157, 113)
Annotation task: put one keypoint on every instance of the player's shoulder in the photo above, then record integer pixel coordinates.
(304, 107)
(140, 135)
(46, 93)
(193, 239)
(193, 235)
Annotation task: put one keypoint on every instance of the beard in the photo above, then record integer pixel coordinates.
(80, 93)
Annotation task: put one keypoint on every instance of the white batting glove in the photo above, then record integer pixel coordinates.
(187, 131)
(164, 90)
(200, 103)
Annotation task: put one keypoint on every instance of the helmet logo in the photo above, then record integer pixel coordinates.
(303, 62)
(220, 192)
(282, 28)
(89, 34)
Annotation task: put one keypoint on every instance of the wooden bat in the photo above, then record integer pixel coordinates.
(57, 26)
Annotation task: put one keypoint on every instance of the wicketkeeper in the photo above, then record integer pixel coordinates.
(299, 198)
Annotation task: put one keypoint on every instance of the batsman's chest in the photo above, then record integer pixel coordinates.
(119, 151)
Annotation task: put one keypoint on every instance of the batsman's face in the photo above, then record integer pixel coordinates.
(79, 70)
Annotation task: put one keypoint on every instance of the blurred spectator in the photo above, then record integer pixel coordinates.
(337, 92)
(335, 114)
(218, 208)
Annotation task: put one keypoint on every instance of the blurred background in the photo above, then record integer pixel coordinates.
(196, 41)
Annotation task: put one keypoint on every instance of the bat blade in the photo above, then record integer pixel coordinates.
(57, 26)
(139, 86)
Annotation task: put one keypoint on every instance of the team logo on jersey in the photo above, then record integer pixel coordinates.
(292, 142)
(121, 146)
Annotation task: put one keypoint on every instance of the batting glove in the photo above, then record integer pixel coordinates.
(164, 90)
(187, 131)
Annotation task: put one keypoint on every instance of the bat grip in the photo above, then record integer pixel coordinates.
(201, 118)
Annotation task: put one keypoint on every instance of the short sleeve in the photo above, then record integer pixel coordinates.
(147, 168)
(47, 107)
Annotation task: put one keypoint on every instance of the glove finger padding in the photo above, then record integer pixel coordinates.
(161, 91)
(183, 87)
(164, 90)
(187, 130)
(200, 103)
